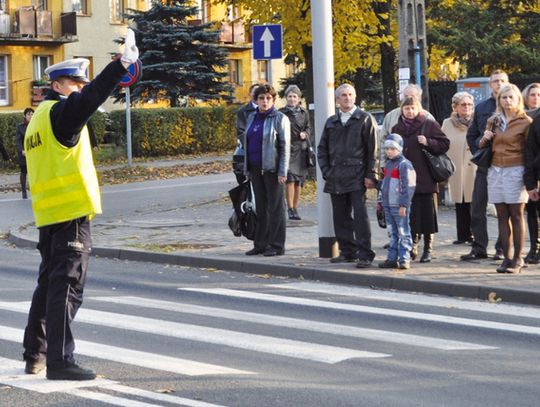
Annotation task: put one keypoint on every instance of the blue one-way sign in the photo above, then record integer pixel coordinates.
(267, 41)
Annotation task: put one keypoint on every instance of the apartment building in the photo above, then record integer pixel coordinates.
(37, 33)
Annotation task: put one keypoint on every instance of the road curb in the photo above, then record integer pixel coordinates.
(353, 277)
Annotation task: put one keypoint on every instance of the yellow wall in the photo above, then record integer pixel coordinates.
(21, 72)
(20, 57)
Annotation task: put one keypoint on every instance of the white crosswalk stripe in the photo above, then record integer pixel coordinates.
(12, 374)
(417, 299)
(369, 310)
(258, 343)
(136, 358)
(114, 393)
(308, 325)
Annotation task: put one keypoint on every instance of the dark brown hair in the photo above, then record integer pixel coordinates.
(263, 89)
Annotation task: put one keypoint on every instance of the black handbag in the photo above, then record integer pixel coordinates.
(482, 156)
(311, 158)
(243, 221)
(441, 166)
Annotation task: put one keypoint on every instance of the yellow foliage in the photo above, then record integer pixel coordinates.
(443, 67)
(355, 29)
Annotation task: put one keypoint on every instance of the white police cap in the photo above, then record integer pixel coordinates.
(72, 68)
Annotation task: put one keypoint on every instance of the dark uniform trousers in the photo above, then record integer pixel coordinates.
(270, 208)
(352, 233)
(65, 248)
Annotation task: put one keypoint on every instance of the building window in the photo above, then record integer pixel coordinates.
(117, 11)
(235, 71)
(204, 10)
(262, 71)
(41, 62)
(233, 12)
(3, 5)
(4, 89)
(80, 7)
(90, 70)
(40, 4)
(291, 70)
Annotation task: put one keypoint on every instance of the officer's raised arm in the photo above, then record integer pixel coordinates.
(78, 97)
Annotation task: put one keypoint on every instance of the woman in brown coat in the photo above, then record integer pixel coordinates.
(461, 184)
(507, 130)
(419, 133)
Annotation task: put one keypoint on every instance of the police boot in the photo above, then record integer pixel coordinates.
(414, 251)
(428, 247)
(23, 186)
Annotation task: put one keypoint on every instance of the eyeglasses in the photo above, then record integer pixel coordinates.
(466, 104)
(262, 97)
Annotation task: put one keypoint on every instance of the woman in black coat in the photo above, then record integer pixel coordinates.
(19, 140)
(300, 133)
(418, 133)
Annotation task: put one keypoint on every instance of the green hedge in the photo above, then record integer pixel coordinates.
(155, 132)
(172, 131)
(8, 127)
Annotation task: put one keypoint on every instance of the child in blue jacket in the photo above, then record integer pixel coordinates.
(397, 191)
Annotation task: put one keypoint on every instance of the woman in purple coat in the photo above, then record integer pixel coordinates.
(419, 133)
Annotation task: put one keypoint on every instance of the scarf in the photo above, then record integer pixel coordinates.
(460, 123)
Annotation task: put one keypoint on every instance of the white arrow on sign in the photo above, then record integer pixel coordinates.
(267, 38)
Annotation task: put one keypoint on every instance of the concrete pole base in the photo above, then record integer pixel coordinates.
(328, 247)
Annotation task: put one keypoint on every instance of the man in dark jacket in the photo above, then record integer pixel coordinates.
(482, 112)
(531, 175)
(347, 156)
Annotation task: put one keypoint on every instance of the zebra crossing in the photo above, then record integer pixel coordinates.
(289, 294)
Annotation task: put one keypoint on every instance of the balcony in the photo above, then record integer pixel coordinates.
(28, 26)
(234, 36)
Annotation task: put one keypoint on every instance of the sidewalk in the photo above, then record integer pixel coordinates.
(197, 236)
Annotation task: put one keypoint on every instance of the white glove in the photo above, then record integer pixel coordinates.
(131, 52)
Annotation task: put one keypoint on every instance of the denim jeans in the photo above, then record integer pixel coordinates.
(400, 234)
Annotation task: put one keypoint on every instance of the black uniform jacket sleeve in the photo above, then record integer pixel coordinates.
(70, 114)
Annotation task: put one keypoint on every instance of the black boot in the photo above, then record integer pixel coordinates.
(428, 247)
(414, 251)
(23, 186)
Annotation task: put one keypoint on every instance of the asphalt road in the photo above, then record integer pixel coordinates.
(166, 336)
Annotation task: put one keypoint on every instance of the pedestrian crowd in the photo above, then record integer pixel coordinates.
(354, 156)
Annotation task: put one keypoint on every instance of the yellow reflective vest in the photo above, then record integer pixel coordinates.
(63, 180)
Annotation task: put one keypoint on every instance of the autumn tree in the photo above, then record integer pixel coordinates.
(486, 34)
(180, 61)
(360, 27)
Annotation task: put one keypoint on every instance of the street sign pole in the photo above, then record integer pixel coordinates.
(128, 126)
(134, 73)
(323, 91)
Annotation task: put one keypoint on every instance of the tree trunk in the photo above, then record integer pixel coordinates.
(308, 60)
(388, 57)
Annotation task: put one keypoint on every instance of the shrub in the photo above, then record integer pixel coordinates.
(155, 132)
(173, 131)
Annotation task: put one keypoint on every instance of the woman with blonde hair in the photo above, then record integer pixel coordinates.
(461, 183)
(507, 132)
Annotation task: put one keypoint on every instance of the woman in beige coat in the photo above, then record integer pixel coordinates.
(461, 183)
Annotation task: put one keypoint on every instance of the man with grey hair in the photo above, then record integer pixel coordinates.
(392, 117)
(347, 156)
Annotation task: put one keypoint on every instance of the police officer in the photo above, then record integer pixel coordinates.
(65, 197)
